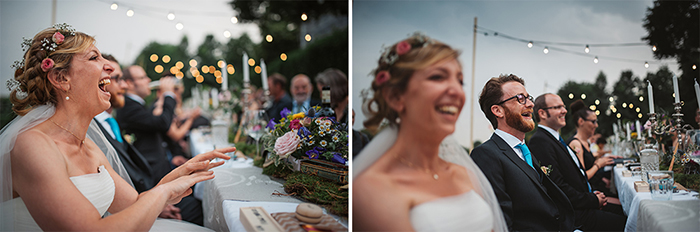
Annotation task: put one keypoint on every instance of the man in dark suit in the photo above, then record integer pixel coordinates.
(189, 208)
(529, 199)
(280, 97)
(301, 91)
(565, 168)
(148, 129)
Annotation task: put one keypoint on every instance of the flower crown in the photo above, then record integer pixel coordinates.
(391, 54)
(47, 45)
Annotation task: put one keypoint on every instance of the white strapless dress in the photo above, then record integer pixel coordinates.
(463, 212)
(99, 189)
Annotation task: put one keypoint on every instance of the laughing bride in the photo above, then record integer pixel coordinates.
(410, 177)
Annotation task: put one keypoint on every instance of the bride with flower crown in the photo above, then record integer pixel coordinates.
(53, 173)
(412, 175)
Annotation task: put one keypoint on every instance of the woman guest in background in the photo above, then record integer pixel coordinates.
(408, 178)
(586, 123)
(54, 175)
(338, 82)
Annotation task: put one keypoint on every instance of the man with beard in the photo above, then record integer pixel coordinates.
(529, 199)
(189, 208)
(565, 169)
(301, 91)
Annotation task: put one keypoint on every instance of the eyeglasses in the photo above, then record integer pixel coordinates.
(559, 107)
(594, 121)
(522, 99)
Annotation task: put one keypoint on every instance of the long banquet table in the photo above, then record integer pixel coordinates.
(681, 213)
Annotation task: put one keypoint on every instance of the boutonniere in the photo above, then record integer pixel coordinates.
(129, 138)
(546, 169)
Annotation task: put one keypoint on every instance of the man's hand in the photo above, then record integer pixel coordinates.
(602, 200)
(170, 212)
(167, 84)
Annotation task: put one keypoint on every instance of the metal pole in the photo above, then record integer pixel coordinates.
(53, 12)
(471, 101)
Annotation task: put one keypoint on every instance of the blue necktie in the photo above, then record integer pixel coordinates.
(562, 142)
(115, 128)
(526, 153)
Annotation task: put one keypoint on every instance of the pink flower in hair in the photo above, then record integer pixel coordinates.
(57, 38)
(382, 77)
(47, 64)
(403, 47)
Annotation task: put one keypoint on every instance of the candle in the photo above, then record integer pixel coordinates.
(639, 129)
(675, 89)
(246, 69)
(650, 92)
(697, 93)
(264, 74)
(214, 98)
(224, 77)
(629, 134)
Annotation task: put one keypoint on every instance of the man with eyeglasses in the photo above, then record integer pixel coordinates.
(566, 170)
(530, 201)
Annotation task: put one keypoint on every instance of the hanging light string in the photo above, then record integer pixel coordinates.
(547, 45)
(160, 13)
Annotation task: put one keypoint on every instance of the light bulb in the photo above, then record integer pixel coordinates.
(546, 50)
(653, 48)
(646, 64)
(307, 37)
(304, 17)
(529, 44)
(587, 50)
(694, 67)
(179, 26)
(114, 6)
(268, 38)
(130, 12)
(595, 60)
(234, 20)
(171, 16)
(227, 34)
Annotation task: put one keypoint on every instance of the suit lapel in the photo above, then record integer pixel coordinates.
(121, 149)
(508, 152)
(566, 151)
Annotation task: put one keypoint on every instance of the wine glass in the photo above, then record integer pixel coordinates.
(256, 121)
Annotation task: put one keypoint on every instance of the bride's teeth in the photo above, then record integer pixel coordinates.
(448, 109)
(105, 82)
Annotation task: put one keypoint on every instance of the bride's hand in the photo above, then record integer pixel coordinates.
(181, 187)
(198, 163)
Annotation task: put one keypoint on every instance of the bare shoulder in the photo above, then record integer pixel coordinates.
(34, 147)
(379, 203)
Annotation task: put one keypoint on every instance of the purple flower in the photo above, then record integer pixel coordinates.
(320, 149)
(271, 124)
(285, 112)
(313, 154)
(303, 132)
(338, 158)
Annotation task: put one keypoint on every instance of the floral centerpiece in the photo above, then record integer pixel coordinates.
(304, 136)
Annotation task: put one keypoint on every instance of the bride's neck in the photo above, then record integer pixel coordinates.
(417, 146)
(70, 121)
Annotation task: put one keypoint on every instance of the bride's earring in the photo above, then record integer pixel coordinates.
(398, 120)
(67, 98)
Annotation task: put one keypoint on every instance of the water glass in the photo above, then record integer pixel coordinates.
(649, 160)
(660, 185)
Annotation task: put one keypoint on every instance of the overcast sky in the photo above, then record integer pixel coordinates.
(115, 32)
(588, 22)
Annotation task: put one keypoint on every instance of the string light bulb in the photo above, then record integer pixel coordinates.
(130, 12)
(653, 48)
(171, 16)
(227, 34)
(179, 26)
(546, 50)
(114, 6)
(304, 17)
(595, 60)
(234, 19)
(695, 67)
(587, 49)
(268, 38)
(307, 37)
(529, 44)
(646, 64)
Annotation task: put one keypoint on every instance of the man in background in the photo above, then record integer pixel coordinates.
(280, 97)
(301, 91)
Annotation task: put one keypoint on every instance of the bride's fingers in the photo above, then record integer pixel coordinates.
(215, 164)
(218, 153)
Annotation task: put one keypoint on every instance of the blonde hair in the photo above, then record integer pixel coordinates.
(423, 53)
(33, 80)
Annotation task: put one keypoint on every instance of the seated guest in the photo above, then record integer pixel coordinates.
(529, 199)
(565, 169)
(189, 208)
(280, 97)
(338, 82)
(586, 122)
(148, 129)
(359, 139)
(180, 126)
(301, 91)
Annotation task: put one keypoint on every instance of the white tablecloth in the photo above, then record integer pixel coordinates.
(630, 200)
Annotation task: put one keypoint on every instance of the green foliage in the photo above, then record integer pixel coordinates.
(320, 191)
(672, 27)
(6, 113)
(247, 149)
